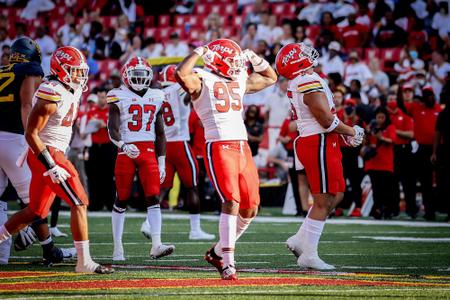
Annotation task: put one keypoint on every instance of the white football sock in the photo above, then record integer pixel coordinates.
(84, 260)
(47, 241)
(154, 219)
(242, 225)
(227, 231)
(118, 221)
(309, 236)
(195, 222)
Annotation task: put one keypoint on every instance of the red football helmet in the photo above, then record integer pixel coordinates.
(167, 75)
(294, 59)
(227, 60)
(137, 73)
(69, 65)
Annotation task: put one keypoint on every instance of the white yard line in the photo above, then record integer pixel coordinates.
(405, 239)
(264, 219)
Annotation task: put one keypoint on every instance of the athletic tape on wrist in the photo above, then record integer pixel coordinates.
(334, 124)
(262, 66)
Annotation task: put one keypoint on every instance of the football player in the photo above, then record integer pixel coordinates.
(48, 133)
(216, 92)
(317, 148)
(136, 127)
(19, 81)
(179, 158)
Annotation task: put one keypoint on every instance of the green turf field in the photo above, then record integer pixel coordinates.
(406, 260)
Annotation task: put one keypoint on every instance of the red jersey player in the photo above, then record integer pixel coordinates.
(136, 127)
(216, 92)
(317, 147)
(48, 133)
(180, 158)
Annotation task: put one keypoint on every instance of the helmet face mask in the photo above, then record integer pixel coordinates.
(69, 65)
(227, 60)
(137, 74)
(77, 77)
(294, 59)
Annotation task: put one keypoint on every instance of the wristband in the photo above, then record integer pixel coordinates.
(119, 144)
(162, 161)
(262, 66)
(333, 125)
(46, 159)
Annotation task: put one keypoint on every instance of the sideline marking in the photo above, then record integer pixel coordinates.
(405, 239)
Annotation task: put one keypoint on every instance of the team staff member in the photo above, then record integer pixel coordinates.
(424, 114)
(102, 157)
(380, 165)
(403, 168)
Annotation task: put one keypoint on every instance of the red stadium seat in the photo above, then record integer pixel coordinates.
(194, 33)
(179, 20)
(164, 21)
(237, 21)
(391, 54)
(194, 20)
(312, 32)
(149, 32)
(285, 9)
(229, 9)
(149, 21)
(371, 53)
(201, 9)
(216, 8)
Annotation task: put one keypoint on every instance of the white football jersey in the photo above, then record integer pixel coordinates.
(175, 114)
(137, 114)
(58, 130)
(219, 107)
(303, 84)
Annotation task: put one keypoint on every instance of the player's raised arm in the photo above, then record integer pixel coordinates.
(264, 75)
(185, 76)
(29, 86)
(160, 145)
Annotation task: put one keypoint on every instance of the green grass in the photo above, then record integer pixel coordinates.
(349, 247)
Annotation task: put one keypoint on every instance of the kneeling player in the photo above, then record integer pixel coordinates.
(48, 133)
(136, 127)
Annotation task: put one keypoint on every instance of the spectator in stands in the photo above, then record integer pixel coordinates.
(409, 63)
(102, 156)
(438, 70)
(213, 24)
(270, 33)
(417, 36)
(176, 47)
(420, 8)
(331, 62)
(112, 49)
(4, 59)
(133, 50)
(364, 111)
(287, 36)
(152, 49)
(95, 42)
(356, 69)
(276, 110)
(378, 154)
(311, 12)
(380, 10)
(403, 156)
(254, 15)
(327, 23)
(350, 155)
(273, 52)
(91, 62)
(255, 128)
(300, 36)
(424, 113)
(406, 96)
(123, 32)
(129, 9)
(21, 29)
(380, 78)
(66, 32)
(250, 39)
(262, 49)
(335, 82)
(441, 21)
(278, 158)
(389, 35)
(4, 39)
(34, 7)
(47, 45)
(419, 82)
(354, 35)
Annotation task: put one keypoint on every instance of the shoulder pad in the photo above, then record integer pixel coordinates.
(28, 69)
(48, 91)
(112, 96)
(309, 83)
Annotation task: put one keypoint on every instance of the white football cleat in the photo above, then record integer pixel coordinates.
(93, 267)
(54, 231)
(201, 235)
(293, 244)
(118, 253)
(145, 229)
(161, 251)
(313, 262)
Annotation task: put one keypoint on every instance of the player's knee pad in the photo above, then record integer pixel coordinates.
(151, 201)
(120, 206)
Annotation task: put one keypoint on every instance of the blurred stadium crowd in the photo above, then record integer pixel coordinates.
(386, 62)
